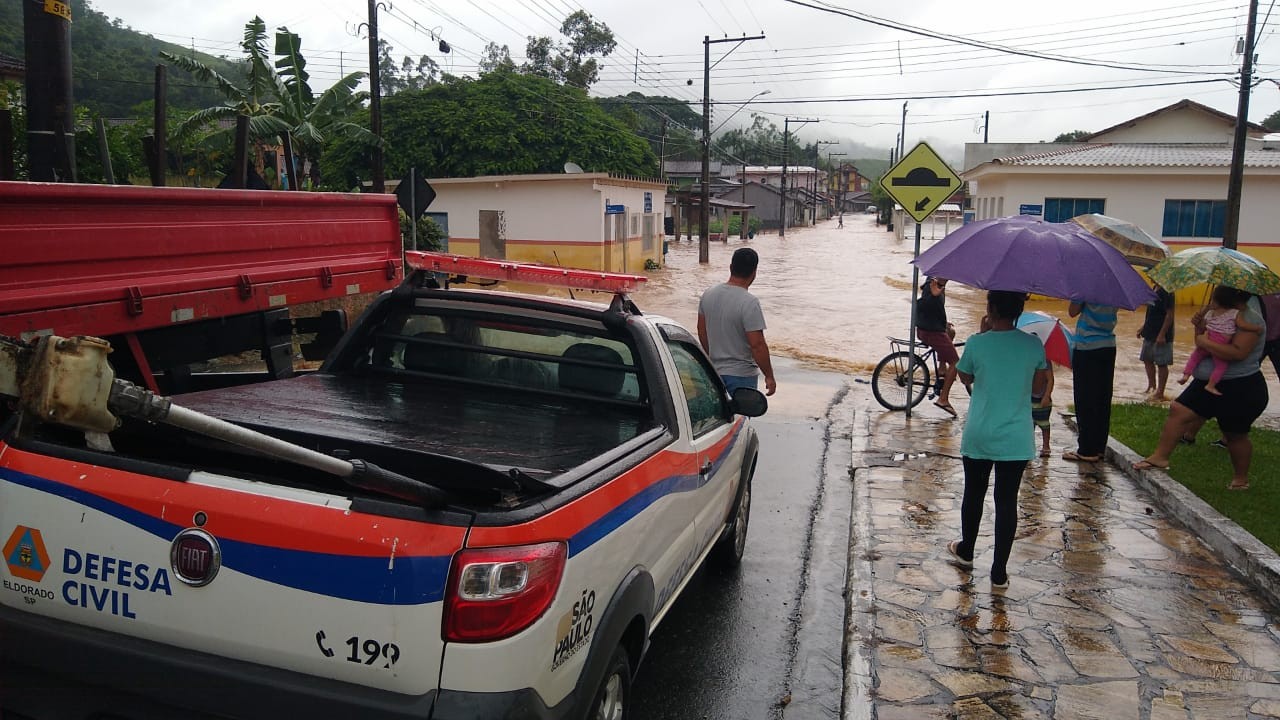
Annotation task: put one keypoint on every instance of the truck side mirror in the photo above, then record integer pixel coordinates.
(749, 402)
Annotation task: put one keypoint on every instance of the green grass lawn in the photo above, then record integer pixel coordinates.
(1205, 469)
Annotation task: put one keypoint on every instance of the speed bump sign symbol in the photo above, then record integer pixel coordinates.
(920, 182)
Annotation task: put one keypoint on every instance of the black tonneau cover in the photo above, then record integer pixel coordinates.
(490, 426)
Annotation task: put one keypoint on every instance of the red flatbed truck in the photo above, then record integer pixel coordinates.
(175, 276)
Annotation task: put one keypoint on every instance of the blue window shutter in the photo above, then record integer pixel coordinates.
(1219, 213)
(1170, 219)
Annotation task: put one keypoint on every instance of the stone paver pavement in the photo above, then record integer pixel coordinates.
(1114, 610)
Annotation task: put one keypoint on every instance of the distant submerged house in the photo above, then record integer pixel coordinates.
(1166, 171)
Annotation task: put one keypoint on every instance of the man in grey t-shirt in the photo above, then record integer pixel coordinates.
(731, 327)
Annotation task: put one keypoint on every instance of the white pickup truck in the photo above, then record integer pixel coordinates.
(529, 483)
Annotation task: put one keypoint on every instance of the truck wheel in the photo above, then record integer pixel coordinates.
(728, 550)
(614, 694)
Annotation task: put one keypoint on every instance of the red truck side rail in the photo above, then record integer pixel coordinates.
(104, 260)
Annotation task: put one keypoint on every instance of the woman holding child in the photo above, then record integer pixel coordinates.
(1241, 393)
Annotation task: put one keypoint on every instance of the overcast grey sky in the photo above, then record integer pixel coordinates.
(811, 57)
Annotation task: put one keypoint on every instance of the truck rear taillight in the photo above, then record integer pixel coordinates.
(497, 592)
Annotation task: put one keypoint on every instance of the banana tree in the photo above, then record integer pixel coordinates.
(277, 98)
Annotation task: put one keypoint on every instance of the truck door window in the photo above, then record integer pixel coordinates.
(706, 402)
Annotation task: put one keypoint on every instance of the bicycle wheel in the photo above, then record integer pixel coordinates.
(889, 382)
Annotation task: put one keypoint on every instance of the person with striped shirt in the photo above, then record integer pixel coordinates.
(1093, 362)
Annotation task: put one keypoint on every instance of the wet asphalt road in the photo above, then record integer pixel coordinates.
(766, 641)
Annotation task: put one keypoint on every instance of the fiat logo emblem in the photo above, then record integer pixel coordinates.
(195, 557)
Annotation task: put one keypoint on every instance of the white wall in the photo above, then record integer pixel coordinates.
(1185, 126)
(1137, 197)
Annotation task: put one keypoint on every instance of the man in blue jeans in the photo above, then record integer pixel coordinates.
(731, 327)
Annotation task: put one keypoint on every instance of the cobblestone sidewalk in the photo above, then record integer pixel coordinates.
(1114, 610)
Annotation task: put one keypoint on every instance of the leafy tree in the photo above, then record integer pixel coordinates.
(495, 57)
(645, 116)
(11, 100)
(410, 75)
(502, 123)
(760, 144)
(1272, 123)
(1073, 136)
(279, 102)
(573, 63)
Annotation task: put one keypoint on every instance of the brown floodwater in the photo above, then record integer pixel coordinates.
(831, 296)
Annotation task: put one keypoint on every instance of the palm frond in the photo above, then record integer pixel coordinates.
(339, 98)
(201, 118)
(266, 127)
(308, 135)
(260, 74)
(292, 67)
(205, 73)
(352, 131)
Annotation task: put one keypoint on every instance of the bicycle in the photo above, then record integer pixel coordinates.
(889, 380)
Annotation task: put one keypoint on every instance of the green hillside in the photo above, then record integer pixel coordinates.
(113, 65)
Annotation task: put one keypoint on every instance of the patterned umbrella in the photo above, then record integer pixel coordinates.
(1136, 244)
(1215, 266)
(1057, 339)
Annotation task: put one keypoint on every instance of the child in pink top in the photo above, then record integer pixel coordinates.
(1221, 322)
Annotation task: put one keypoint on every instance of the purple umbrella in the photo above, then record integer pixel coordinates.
(1025, 254)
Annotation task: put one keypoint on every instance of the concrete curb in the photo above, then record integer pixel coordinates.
(1258, 563)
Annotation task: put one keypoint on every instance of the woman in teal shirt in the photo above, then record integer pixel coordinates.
(1004, 369)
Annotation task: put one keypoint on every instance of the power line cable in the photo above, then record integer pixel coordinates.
(893, 25)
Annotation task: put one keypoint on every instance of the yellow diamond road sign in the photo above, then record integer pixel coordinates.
(920, 182)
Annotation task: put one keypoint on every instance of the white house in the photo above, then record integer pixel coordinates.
(1165, 171)
(596, 221)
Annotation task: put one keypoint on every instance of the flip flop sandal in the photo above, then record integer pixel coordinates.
(1148, 465)
(1234, 486)
(1073, 456)
(947, 407)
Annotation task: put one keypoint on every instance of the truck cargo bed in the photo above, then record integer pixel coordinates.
(499, 428)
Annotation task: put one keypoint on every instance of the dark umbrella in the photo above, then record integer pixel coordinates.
(1025, 254)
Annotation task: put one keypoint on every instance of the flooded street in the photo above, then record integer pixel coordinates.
(831, 296)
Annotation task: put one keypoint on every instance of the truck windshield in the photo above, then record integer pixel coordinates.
(514, 352)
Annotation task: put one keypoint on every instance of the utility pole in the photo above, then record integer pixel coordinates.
(813, 214)
(902, 135)
(50, 109)
(704, 211)
(1235, 181)
(986, 125)
(839, 182)
(782, 202)
(662, 152)
(375, 100)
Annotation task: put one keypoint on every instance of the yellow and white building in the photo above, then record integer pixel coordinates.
(595, 221)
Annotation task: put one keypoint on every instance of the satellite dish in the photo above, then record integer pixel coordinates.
(572, 168)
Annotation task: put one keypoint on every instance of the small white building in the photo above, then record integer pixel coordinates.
(596, 221)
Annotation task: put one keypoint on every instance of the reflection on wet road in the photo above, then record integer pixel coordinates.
(831, 295)
(1114, 610)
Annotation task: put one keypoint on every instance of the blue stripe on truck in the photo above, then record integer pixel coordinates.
(408, 581)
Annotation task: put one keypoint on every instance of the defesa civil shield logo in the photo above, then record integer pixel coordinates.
(25, 555)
